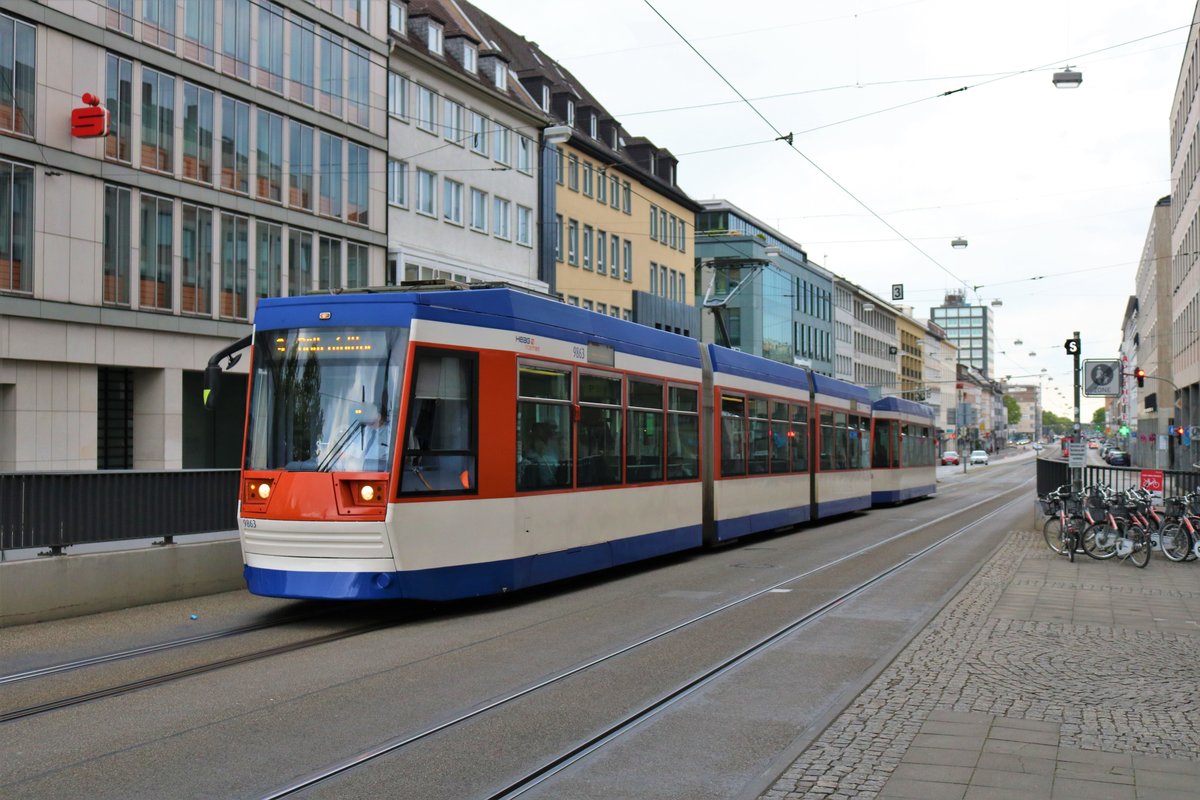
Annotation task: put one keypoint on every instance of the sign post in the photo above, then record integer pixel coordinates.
(1152, 481)
(1073, 346)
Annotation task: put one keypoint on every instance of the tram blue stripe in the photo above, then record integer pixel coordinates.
(898, 495)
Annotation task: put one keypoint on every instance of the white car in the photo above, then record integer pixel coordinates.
(979, 457)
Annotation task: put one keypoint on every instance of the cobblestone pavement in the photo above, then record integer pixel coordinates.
(1042, 678)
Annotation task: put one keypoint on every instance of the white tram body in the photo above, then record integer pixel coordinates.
(904, 451)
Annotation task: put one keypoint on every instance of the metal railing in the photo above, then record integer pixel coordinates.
(60, 509)
(1052, 473)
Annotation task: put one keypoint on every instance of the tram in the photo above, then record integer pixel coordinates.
(903, 451)
(456, 443)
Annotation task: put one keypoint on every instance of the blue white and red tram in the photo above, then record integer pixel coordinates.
(446, 444)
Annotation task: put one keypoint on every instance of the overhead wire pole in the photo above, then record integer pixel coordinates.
(1077, 473)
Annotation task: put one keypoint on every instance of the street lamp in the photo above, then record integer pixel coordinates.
(1068, 78)
(958, 243)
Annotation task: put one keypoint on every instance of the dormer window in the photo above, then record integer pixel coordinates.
(571, 113)
(397, 13)
(433, 37)
(546, 99)
(502, 77)
(594, 126)
(470, 59)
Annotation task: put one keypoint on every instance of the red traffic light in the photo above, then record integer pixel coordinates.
(1140, 374)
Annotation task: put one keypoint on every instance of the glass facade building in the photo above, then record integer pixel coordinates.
(785, 311)
(971, 329)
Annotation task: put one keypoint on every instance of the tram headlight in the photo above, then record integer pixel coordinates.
(367, 492)
(264, 490)
(258, 491)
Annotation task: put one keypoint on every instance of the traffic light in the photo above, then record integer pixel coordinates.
(1178, 431)
(1140, 374)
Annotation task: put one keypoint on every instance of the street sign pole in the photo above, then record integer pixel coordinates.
(1077, 474)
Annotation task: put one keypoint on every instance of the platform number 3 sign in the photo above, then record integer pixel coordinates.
(897, 291)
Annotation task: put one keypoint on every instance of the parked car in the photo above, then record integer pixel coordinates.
(1038, 446)
(979, 457)
(1118, 458)
(1092, 445)
(949, 457)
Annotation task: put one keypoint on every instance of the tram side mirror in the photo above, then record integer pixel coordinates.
(212, 385)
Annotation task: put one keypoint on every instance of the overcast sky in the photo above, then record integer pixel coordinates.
(1039, 180)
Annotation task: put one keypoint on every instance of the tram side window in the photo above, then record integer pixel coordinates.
(644, 432)
(543, 428)
(799, 438)
(894, 449)
(864, 442)
(760, 436)
(827, 440)
(599, 460)
(780, 435)
(908, 456)
(683, 433)
(881, 455)
(440, 443)
(841, 451)
(733, 435)
(926, 447)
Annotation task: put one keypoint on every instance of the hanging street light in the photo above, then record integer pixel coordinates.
(1068, 78)
(959, 243)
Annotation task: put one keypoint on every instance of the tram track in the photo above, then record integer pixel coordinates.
(580, 750)
(174, 675)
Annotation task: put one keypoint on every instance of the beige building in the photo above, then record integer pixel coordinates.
(911, 358)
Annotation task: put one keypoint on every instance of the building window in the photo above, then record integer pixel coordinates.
(628, 245)
(197, 133)
(270, 157)
(16, 227)
(479, 204)
(426, 109)
(158, 120)
(573, 243)
(614, 190)
(329, 266)
(470, 58)
(358, 265)
(601, 252)
(426, 192)
(398, 95)
(524, 154)
(501, 218)
(158, 23)
(117, 246)
(503, 151)
(157, 249)
(626, 198)
(653, 278)
(331, 175)
(359, 13)
(358, 179)
(235, 145)
(614, 262)
(587, 178)
(397, 17)
(588, 239)
(300, 165)
(17, 75)
(120, 16)
(397, 186)
(331, 73)
(452, 201)
(593, 126)
(300, 262)
(114, 417)
(119, 100)
(452, 114)
(559, 171)
(573, 172)
(303, 61)
(196, 260)
(479, 133)
(501, 77)
(683, 242)
(433, 38)
(546, 99)
(358, 86)
(268, 279)
(653, 223)
(235, 38)
(235, 266)
(525, 226)
(270, 46)
(571, 113)
(558, 237)
(601, 186)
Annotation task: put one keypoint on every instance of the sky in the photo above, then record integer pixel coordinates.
(885, 169)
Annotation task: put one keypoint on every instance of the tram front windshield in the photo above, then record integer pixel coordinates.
(325, 399)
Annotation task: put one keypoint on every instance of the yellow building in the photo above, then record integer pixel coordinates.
(623, 227)
(910, 360)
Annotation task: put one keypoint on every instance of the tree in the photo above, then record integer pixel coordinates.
(1098, 417)
(1053, 423)
(1014, 409)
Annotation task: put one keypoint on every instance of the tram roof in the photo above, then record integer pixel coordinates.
(899, 404)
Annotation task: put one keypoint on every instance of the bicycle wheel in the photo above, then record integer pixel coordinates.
(1140, 556)
(1100, 541)
(1052, 532)
(1174, 541)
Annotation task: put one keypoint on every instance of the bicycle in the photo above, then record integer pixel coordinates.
(1062, 530)
(1116, 535)
(1177, 539)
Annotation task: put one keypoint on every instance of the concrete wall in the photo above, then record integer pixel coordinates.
(57, 587)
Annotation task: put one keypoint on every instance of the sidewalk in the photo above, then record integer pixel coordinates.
(1041, 679)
